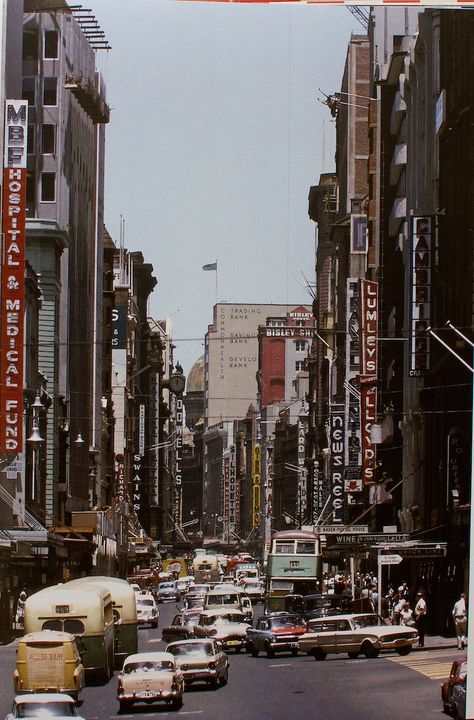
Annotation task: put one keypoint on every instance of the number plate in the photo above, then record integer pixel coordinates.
(233, 642)
(146, 694)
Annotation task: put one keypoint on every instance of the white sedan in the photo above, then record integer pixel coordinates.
(201, 660)
(149, 677)
(44, 705)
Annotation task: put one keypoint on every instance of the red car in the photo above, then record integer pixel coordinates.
(447, 686)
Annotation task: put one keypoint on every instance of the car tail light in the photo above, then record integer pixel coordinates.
(174, 685)
(120, 684)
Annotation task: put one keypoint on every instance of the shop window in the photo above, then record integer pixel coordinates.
(51, 44)
(48, 187)
(48, 139)
(30, 140)
(30, 45)
(50, 91)
(28, 90)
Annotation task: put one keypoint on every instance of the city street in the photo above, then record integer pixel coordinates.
(387, 688)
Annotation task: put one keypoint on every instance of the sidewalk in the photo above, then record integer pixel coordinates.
(438, 642)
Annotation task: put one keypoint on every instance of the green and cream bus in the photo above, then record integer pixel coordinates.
(293, 567)
(124, 610)
(84, 612)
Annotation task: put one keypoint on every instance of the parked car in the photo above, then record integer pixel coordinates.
(227, 626)
(147, 610)
(181, 627)
(355, 634)
(201, 659)
(458, 697)
(275, 633)
(149, 677)
(457, 675)
(45, 705)
(167, 591)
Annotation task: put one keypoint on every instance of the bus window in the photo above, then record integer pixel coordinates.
(52, 625)
(284, 548)
(75, 627)
(305, 548)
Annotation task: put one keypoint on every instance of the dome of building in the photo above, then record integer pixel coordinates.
(195, 379)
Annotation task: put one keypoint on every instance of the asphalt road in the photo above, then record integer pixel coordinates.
(282, 688)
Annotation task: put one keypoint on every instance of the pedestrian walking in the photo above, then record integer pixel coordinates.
(420, 617)
(20, 611)
(406, 615)
(460, 620)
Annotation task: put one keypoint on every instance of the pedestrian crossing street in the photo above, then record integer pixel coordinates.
(426, 663)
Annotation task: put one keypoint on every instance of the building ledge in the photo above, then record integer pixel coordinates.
(89, 98)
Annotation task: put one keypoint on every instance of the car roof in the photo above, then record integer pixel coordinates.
(149, 657)
(191, 641)
(47, 636)
(221, 611)
(43, 698)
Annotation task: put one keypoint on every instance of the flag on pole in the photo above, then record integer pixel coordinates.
(210, 266)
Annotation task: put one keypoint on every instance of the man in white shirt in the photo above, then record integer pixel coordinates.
(420, 617)
(460, 620)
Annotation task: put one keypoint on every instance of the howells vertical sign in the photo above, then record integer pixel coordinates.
(13, 276)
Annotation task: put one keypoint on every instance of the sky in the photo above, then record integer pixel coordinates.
(217, 133)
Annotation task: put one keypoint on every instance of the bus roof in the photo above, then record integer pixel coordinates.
(294, 535)
(122, 593)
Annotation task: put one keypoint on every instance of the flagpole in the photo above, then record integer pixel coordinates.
(216, 281)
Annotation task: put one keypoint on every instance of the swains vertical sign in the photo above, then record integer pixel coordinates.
(257, 471)
(136, 482)
(368, 374)
(337, 462)
(13, 276)
(420, 310)
(178, 478)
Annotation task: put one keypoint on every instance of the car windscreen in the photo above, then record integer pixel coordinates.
(367, 620)
(223, 599)
(286, 621)
(204, 648)
(45, 710)
(147, 666)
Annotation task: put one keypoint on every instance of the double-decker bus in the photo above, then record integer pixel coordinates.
(293, 566)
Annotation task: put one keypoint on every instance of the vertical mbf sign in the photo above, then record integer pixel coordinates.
(336, 435)
(420, 307)
(13, 276)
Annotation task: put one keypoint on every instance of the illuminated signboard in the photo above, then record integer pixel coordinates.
(368, 374)
(336, 471)
(13, 276)
(420, 305)
(257, 471)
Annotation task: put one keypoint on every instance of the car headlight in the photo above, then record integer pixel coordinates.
(212, 665)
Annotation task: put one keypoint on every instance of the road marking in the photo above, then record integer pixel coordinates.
(282, 665)
(427, 666)
(155, 640)
(161, 714)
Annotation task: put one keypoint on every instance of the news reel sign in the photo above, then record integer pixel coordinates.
(13, 276)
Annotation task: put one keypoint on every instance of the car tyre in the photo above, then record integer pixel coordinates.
(353, 655)
(270, 652)
(154, 625)
(254, 650)
(294, 652)
(406, 650)
(177, 703)
(214, 683)
(318, 654)
(369, 650)
(225, 677)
